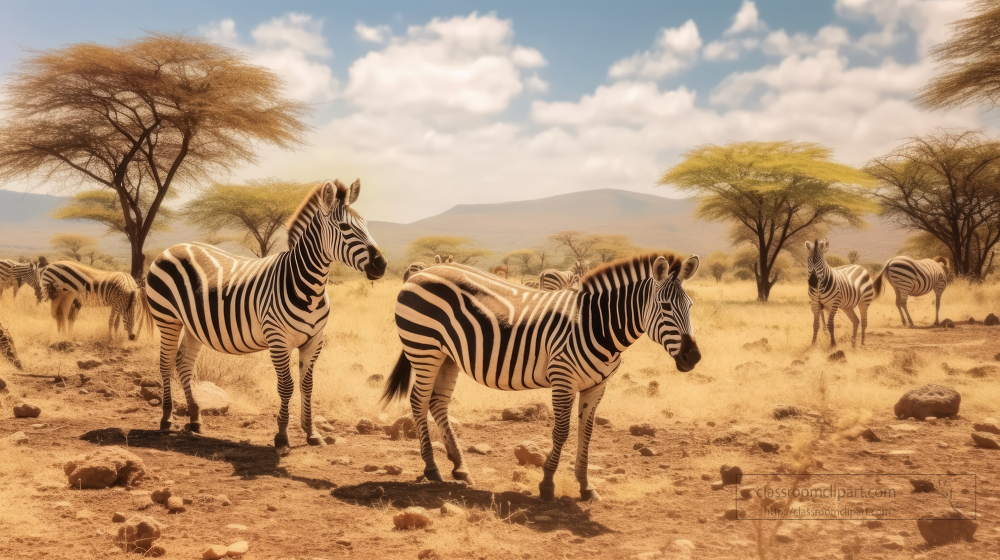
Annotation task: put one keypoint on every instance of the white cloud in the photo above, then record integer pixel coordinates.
(929, 19)
(676, 49)
(746, 19)
(730, 49)
(376, 34)
(621, 102)
(829, 38)
(291, 45)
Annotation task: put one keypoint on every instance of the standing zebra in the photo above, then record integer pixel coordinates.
(830, 289)
(458, 318)
(203, 296)
(17, 274)
(551, 279)
(910, 277)
(68, 284)
(418, 266)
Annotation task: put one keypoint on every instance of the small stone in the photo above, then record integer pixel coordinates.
(215, 551)
(148, 393)
(149, 382)
(322, 424)
(837, 356)
(481, 449)
(602, 421)
(731, 475)
(512, 415)
(403, 428)
(175, 504)
(156, 551)
(768, 446)
(642, 430)
(393, 470)
(449, 509)
(118, 517)
(84, 514)
(783, 535)
(869, 435)
(718, 485)
(922, 485)
(946, 527)
(648, 452)
(88, 364)
(104, 467)
(236, 527)
(684, 546)
(344, 461)
(271, 507)
(784, 411)
(370, 468)
(732, 514)
(411, 518)
(991, 320)
(343, 542)
(17, 438)
(527, 453)
(427, 554)
(238, 548)
(329, 440)
(986, 440)
(989, 425)
(26, 410)
(891, 542)
(366, 427)
(138, 533)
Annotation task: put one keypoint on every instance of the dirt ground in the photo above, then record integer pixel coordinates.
(324, 509)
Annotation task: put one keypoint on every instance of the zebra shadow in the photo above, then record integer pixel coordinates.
(564, 513)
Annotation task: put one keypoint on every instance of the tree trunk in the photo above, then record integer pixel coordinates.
(138, 260)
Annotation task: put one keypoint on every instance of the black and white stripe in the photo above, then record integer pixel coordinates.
(15, 275)
(551, 279)
(69, 284)
(202, 296)
(418, 266)
(909, 277)
(831, 289)
(505, 336)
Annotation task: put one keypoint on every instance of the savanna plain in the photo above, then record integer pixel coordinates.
(319, 502)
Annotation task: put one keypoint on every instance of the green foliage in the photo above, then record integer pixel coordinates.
(74, 245)
(104, 207)
(520, 261)
(717, 263)
(463, 249)
(853, 257)
(611, 247)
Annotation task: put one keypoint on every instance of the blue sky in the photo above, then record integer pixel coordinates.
(435, 104)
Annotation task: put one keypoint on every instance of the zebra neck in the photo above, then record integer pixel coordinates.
(611, 316)
(309, 264)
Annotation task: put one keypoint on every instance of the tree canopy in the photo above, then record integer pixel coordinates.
(74, 245)
(718, 264)
(577, 243)
(462, 249)
(774, 193)
(257, 209)
(137, 118)
(104, 207)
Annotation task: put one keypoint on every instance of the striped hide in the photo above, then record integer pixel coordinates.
(551, 279)
(909, 277)
(832, 289)
(14, 274)
(69, 284)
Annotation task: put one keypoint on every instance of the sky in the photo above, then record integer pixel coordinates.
(435, 104)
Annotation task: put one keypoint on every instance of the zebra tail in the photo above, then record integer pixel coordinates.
(399, 381)
(145, 313)
(877, 282)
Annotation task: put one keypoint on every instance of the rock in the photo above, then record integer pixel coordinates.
(17, 438)
(148, 393)
(653, 389)
(370, 468)
(156, 551)
(329, 440)
(154, 402)
(215, 551)
(948, 324)
(438, 446)
(684, 546)
(783, 534)
(717, 485)
(375, 380)
(946, 527)
(922, 484)
(869, 435)
(763, 345)
(892, 542)
(62, 346)
(104, 467)
(118, 517)
(986, 440)
(481, 449)
(340, 461)
(161, 496)
(930, 400)
(138, 533)
(519, 517)
(403, 428)
(732, 514)
(149, 382)
(784, 411)
(991, 320)
(210, 397)
(449, 509)
(411, 518)
(271, 507)
(768, 446)
(648, 452)
(26, 410)
(238, 548)
(989, 425)
(527, 453)
(366, 427)
(731, 475)
(642, 430)
(427, 554)
(393, 470)
(837, 356)
(175, 504)
(528, 413)
(322, 424)
(602, 421)
(88, 364)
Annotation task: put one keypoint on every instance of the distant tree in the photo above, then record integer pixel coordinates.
(258, 209)
(874, 268)
(463, 249)
(773, 192)
(611, 247)
(74, 245)
(718, 264)
(104, 207)
(519, 260)
(543, 254)
(133, 119)
(853, 257)
(968, 62)
(577, 243)
(836, 260)
(945, 184)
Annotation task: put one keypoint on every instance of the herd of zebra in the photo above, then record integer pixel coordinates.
(567, 332)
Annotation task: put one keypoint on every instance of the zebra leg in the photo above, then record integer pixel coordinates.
(817, 318)
(281, 358)
(829, 323)
(308, 354)
(56, 309)
(444, 387)
(170, 342)
(937, 306)
(863, 309)
(589, 399)
(426, 370)
(185, 371)
(901, 306)
(855, 322)
(562, 404)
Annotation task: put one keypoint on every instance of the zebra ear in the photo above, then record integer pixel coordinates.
(353, 192)
(660, 270)
(437, 259)
(449, 260)
(328, 194)
(824, 245)
(689, 268)
(809, 246)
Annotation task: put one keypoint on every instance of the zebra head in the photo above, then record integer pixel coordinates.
(345, 233)
(36, 276)
(668, 312)
(129, 315)
(817, 261)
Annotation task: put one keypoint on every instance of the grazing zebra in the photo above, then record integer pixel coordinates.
(68, 284)
(910, 277)
(551, 279)
(531, 284)
(830, 289)
(418, 266)
(17, 274)
(203, 296)
(458, 318)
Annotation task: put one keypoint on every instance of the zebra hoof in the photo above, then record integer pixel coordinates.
(193, 427)
(164, 425)
(590, 495)
(314, 440)
(462, 475)
(433, 475)
(547, 492)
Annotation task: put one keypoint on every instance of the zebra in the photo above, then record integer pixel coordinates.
(909, 277)
(551, 279)
(418, 266)
(459, 318)
(830, 289)
(69, 284)
(15, 275)
(531, 284)
(202, 296)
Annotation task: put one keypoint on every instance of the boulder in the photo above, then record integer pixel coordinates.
(237, 549)
(366, 426)
(989, 425)
(991, 320)
(930, 400)
(138, 533)
(211, 399)
(215, 551)
(986, 440)
(393, 470)
(411, 518)
(161, 496)
(175, 504)
(527, 453)
(26, 410)
(730, 475)
(642, 430)
(403, 428)
(105, 467)
(946, 527)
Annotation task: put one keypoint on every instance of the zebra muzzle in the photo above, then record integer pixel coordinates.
(688, 355)
(376, 264)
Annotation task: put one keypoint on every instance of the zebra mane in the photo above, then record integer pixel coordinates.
(643, 262)
(313, 202)
(95, 274)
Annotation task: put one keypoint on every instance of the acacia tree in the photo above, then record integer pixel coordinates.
(718, 264)
(521, 258)
(946, 184)
(773, 193)
(577, 242)
(462, 249)
(853, 256)
(104, 207)
(258, 209)
(611, 247)
(138, 118)
(74, 245)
